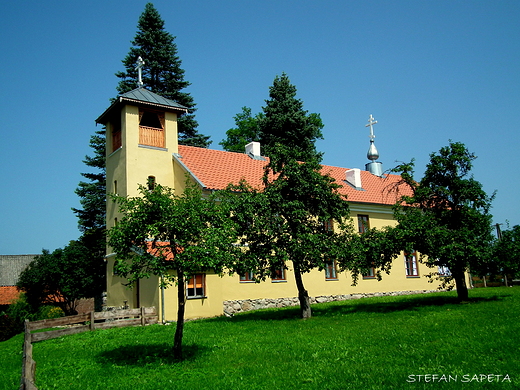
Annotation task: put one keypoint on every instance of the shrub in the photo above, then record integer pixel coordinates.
(46, 312)
(12, 320)
(8, 327)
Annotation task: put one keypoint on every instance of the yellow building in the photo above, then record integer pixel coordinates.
(142, 147)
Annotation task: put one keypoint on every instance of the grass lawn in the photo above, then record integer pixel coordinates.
(370, 343)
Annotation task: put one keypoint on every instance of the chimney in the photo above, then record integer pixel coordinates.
(353, 177)
(253, 150)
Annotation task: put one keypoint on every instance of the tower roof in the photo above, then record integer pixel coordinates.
(142, 97)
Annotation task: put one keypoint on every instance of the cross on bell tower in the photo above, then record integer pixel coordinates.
(139, 67)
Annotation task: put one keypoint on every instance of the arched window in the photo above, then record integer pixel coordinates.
(151, 183)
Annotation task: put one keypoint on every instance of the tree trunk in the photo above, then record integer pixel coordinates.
(460, 284)
(181, 298)
(98, 301)
(303, 296)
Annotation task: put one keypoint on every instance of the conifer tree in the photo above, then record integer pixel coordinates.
(162, 72)
(92, 194)
(288, 124)
(284, 223)
(91, 217)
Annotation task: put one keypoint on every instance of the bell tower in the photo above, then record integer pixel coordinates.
(141, 136)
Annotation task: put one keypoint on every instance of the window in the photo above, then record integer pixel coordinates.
(151, 183)
(330, 271)
(116, 139)
(150, 119)
(370, 274)
(247, 277)
(278, 275)
(196, 286)
(363, 223)
(443, 271)
(328, 226)
(115, 187)
(410, 261)
(151, 129)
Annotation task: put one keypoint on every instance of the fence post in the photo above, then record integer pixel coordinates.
(92, 325)
(142, 316)
(28, 364)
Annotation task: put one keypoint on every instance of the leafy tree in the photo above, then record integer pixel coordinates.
(162, 232)
(447, 217)
(59, 278)
(506, 253)
(287, 220)
(247, 131)
(91, 217)
(287, 123)
(162, 72)
(374, 248)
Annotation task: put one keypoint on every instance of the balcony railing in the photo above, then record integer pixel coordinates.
(151, 136)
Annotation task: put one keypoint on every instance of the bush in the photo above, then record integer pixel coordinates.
(46, 312)
(8, 327)
(12, 320)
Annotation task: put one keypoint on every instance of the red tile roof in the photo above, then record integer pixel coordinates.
(8, 294)
(160, 248)
(216, 169)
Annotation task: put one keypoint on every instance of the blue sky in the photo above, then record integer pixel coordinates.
(429, 71)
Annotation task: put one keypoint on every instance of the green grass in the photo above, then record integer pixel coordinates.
(371, 343)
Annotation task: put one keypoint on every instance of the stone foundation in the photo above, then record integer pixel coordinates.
(242, 305)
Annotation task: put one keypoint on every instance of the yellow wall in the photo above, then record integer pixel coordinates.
(117, 294)
(198, 307)
(317, 285)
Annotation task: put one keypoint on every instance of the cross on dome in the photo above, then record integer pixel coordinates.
(371, 122)
(372, 154)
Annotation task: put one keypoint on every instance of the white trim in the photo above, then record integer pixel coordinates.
(177, 158)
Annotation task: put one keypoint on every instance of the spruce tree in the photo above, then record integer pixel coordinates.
(162, 72)
(288, 124)
(91, 217)
(285, 222)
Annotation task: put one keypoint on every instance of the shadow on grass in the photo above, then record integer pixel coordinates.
(363, 305)
(142, 354)
(413, 303)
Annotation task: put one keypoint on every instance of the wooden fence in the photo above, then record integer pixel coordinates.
(77, 324)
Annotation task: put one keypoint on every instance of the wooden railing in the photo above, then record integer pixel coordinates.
(151, 136)
(77, 324)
